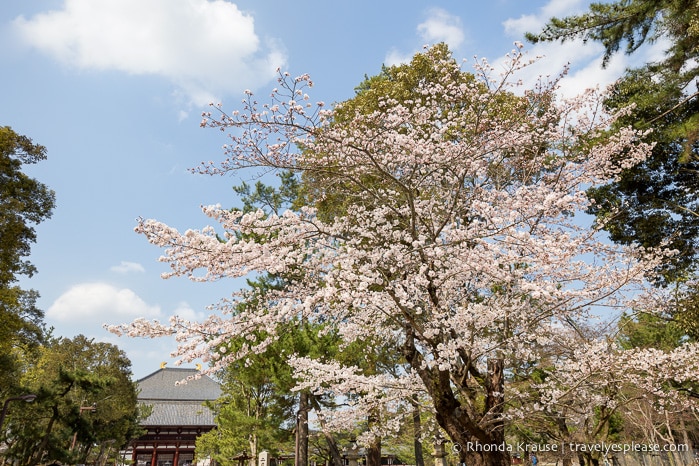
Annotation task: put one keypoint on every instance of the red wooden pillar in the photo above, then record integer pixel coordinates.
(154, 458)
(176, 459)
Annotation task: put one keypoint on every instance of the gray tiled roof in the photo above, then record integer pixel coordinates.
(164, 385)
(178, 413)
(177, 404)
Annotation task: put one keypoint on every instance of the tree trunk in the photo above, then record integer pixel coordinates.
(373, 450)
(481, 443)
(252, 443)
(566, 459)
(417, 434)
(478, 434)
(335, 455)
(301, 456)
(38, 455)
(373, 453)
(685, 435)
(563, 431)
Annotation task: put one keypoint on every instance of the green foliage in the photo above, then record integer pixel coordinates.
(69, 377)
(269, 198)
(400, 82)
(332, 192)
(24, 202)
(650, 331)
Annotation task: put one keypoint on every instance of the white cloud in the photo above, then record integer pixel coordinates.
(207, 48)
(97, 303)
(394, 57)
(440, 26)
(584, 63)
(127, 267)
(584, 60)
(516, 27)
(592, 74)
(185, 311)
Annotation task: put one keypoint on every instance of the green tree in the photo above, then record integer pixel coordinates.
(658, 200)
(85, 407)
(253, 412)
(639, 418)
(24, 202)
(650, 331)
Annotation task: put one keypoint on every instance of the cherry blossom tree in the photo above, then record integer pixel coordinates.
(589, 388)
(440, 221)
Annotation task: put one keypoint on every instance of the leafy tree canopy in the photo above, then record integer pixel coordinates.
(70, 377)
(24, 202)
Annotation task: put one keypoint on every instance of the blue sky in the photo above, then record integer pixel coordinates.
(115, 89)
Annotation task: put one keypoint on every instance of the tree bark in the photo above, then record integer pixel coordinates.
(685, 435)
(562, 425)
(417, 434)
(373, 450)
(301, 457)
(373, 453)
(479, 435)
(335, 455)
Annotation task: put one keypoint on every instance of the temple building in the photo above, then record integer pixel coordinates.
(178, 416)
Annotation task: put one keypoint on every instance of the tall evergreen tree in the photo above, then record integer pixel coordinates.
(658, 200)
(24, 202)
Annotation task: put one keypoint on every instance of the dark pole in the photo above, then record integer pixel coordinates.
(28, 398)
(92, 409)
